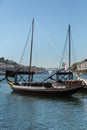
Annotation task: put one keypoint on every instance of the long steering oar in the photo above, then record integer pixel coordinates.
(52, 75)
(2, 79)
(48, 77)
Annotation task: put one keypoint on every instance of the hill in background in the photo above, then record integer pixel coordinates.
(10, 64)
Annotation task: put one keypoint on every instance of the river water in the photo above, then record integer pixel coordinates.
(23, 112)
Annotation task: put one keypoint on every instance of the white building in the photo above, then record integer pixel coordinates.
(82, 65)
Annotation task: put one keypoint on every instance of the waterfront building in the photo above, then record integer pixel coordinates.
(82, 65)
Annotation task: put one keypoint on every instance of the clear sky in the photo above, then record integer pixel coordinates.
(52, 18)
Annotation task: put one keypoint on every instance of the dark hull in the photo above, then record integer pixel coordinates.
(53, 93)
(84, 89)
(47, 91)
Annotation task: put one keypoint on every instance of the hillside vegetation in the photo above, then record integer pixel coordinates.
(10, 64)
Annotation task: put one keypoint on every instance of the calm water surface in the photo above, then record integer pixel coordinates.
(21, 112)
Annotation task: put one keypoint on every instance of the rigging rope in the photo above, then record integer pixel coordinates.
(74, 58)
(25, 46)
(45, 34)
(73, 51)
(63, 50)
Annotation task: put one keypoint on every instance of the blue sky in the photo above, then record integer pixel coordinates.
(52, 18)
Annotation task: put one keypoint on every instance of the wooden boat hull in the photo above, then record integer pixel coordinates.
(58, 91)
(47, 92)
(84, 89)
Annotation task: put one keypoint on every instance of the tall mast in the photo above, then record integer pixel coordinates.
(69, 47)
(31, 50)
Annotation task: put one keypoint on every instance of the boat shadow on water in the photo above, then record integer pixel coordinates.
(71, 99)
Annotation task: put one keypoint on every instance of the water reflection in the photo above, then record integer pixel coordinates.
(24, 112)
(44, 113)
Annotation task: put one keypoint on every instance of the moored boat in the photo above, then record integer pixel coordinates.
(63, 85)
(57, 88)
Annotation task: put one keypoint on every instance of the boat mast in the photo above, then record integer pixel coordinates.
(69, 47)
(31, 50)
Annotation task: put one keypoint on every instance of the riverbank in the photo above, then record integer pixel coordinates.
(6, 64)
